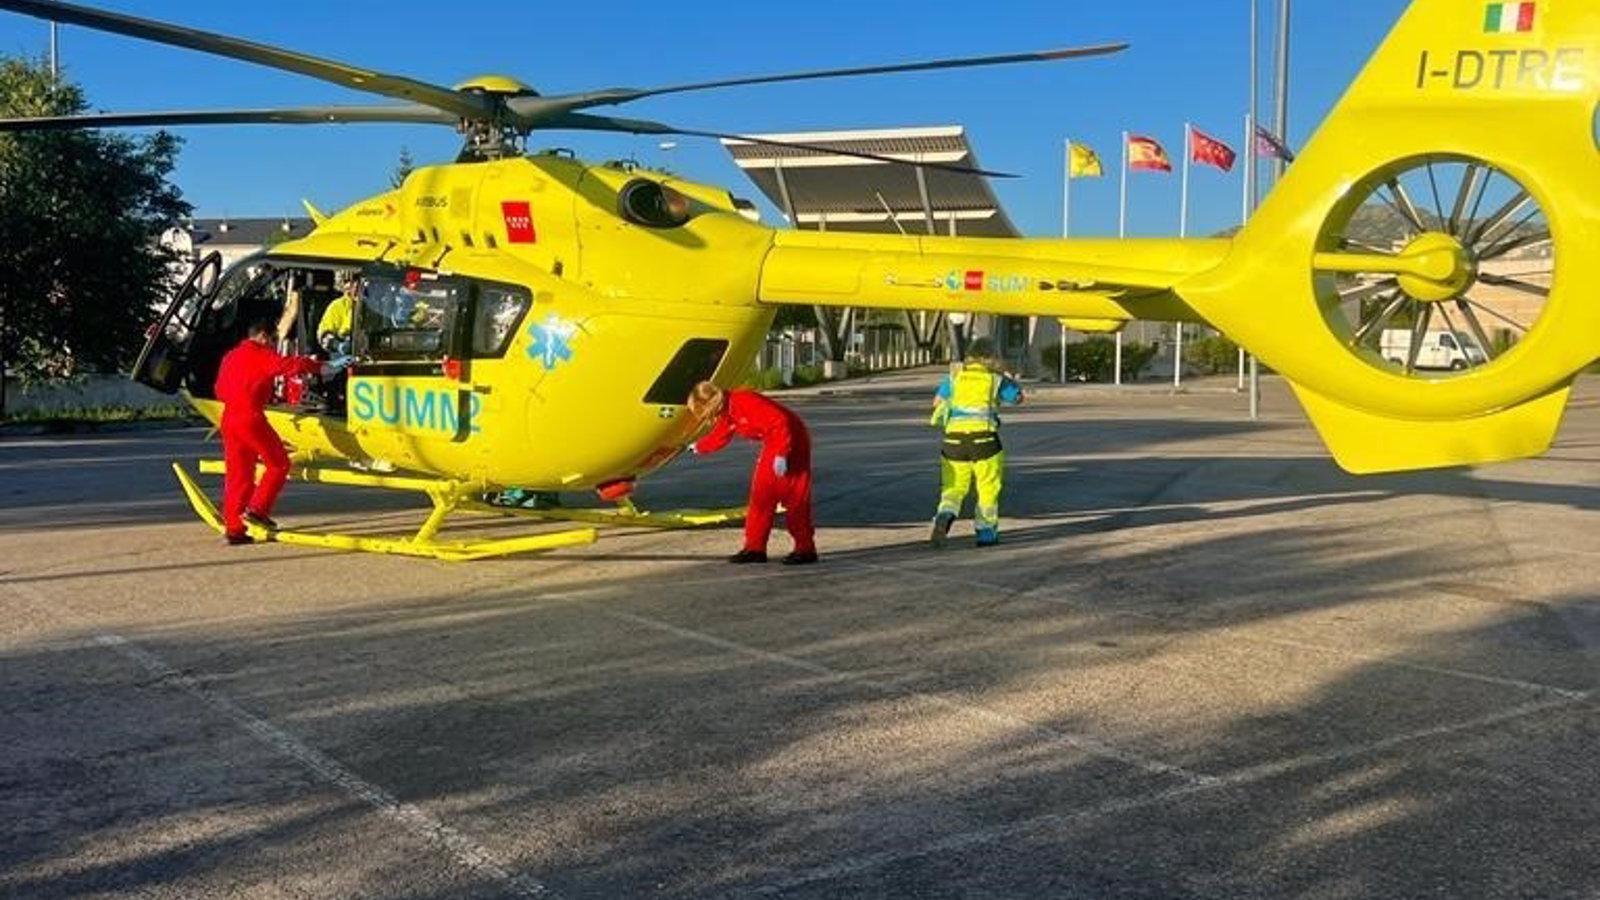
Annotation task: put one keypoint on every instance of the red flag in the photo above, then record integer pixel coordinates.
(1146, 155)
(1209, 151)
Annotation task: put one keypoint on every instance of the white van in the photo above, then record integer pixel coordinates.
(1440, 349)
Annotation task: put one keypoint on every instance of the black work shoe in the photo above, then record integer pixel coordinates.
(239, 539)
(941, 529)
(748, 556)
(799, 558)
(255, 518)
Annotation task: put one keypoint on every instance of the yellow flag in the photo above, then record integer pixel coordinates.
(1085, 163)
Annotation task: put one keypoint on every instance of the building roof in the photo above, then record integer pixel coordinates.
(847, 193)
(252, 232)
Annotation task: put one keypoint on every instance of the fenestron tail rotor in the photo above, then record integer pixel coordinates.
(1437, 266)
(494, 113)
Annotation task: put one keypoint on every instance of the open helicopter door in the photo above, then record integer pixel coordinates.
(412, 335)
(163, 363)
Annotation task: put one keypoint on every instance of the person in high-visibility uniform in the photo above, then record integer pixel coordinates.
(244, 385)
(333, 329)
(967, 406)
(333, 336)
(783, 469)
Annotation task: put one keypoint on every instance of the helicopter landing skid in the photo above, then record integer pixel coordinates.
(625, 514)
(447, 497)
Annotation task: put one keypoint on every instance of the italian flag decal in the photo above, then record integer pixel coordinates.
(1509, 18)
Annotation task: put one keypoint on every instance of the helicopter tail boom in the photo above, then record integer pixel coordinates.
(1101, 281)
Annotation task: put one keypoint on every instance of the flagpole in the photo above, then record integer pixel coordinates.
(1183, 232)
(1249, 166)
(1281, 87)
(1252, 190)
(1066, 191)
(1244, 215)
(1066, 230)
(1122, 232)
(1183, 192)
(1122, 206)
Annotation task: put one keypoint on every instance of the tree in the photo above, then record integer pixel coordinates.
(82, 267)
(402, 167)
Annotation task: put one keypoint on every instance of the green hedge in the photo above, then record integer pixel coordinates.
(772, 379)
(1093, 359)
(1214, 355)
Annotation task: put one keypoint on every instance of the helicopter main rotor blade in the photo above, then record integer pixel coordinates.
(535, 106)
(303, 115)
(588, 122)
(463, 105)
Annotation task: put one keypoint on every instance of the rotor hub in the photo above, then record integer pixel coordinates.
(497, 84)
(1444, 269)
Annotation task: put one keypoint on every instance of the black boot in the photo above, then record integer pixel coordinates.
(941, 529)
(800, 558)
(748, 556)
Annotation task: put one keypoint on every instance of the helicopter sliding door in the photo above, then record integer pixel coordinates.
(411, 391)
(163, 362)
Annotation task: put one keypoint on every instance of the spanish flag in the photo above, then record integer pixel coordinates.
(1146, 155)
(1084, 163)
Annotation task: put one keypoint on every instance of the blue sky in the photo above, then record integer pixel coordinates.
(1188, 62)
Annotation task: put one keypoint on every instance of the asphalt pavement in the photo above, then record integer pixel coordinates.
(1203, 663)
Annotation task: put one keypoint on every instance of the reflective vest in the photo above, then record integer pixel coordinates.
(974, 401)
(336, 318)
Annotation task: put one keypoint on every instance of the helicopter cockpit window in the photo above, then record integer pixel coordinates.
(499, 311)
(408, 320)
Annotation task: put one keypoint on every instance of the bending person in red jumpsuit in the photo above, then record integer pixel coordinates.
(244, 385)
(782, 473)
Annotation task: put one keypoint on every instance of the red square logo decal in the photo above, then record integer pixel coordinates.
(519, 222)
(975, 280)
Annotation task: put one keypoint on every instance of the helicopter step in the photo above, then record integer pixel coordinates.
(447, 497)
(625, 514)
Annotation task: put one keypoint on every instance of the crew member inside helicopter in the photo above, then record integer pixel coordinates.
(783, 468)
(333, 336)
(245, 385)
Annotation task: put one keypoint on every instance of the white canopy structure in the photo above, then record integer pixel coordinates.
(847, 193)
(834, 192)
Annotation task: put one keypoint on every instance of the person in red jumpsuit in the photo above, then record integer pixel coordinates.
(244, 385)
(783, 469)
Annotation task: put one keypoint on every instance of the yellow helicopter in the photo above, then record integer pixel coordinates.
(535, 321)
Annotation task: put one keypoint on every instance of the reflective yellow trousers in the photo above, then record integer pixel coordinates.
(956, 479)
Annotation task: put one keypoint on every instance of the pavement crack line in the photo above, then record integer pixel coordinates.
(1091, 745)
(411, 818)
(1245, 777)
